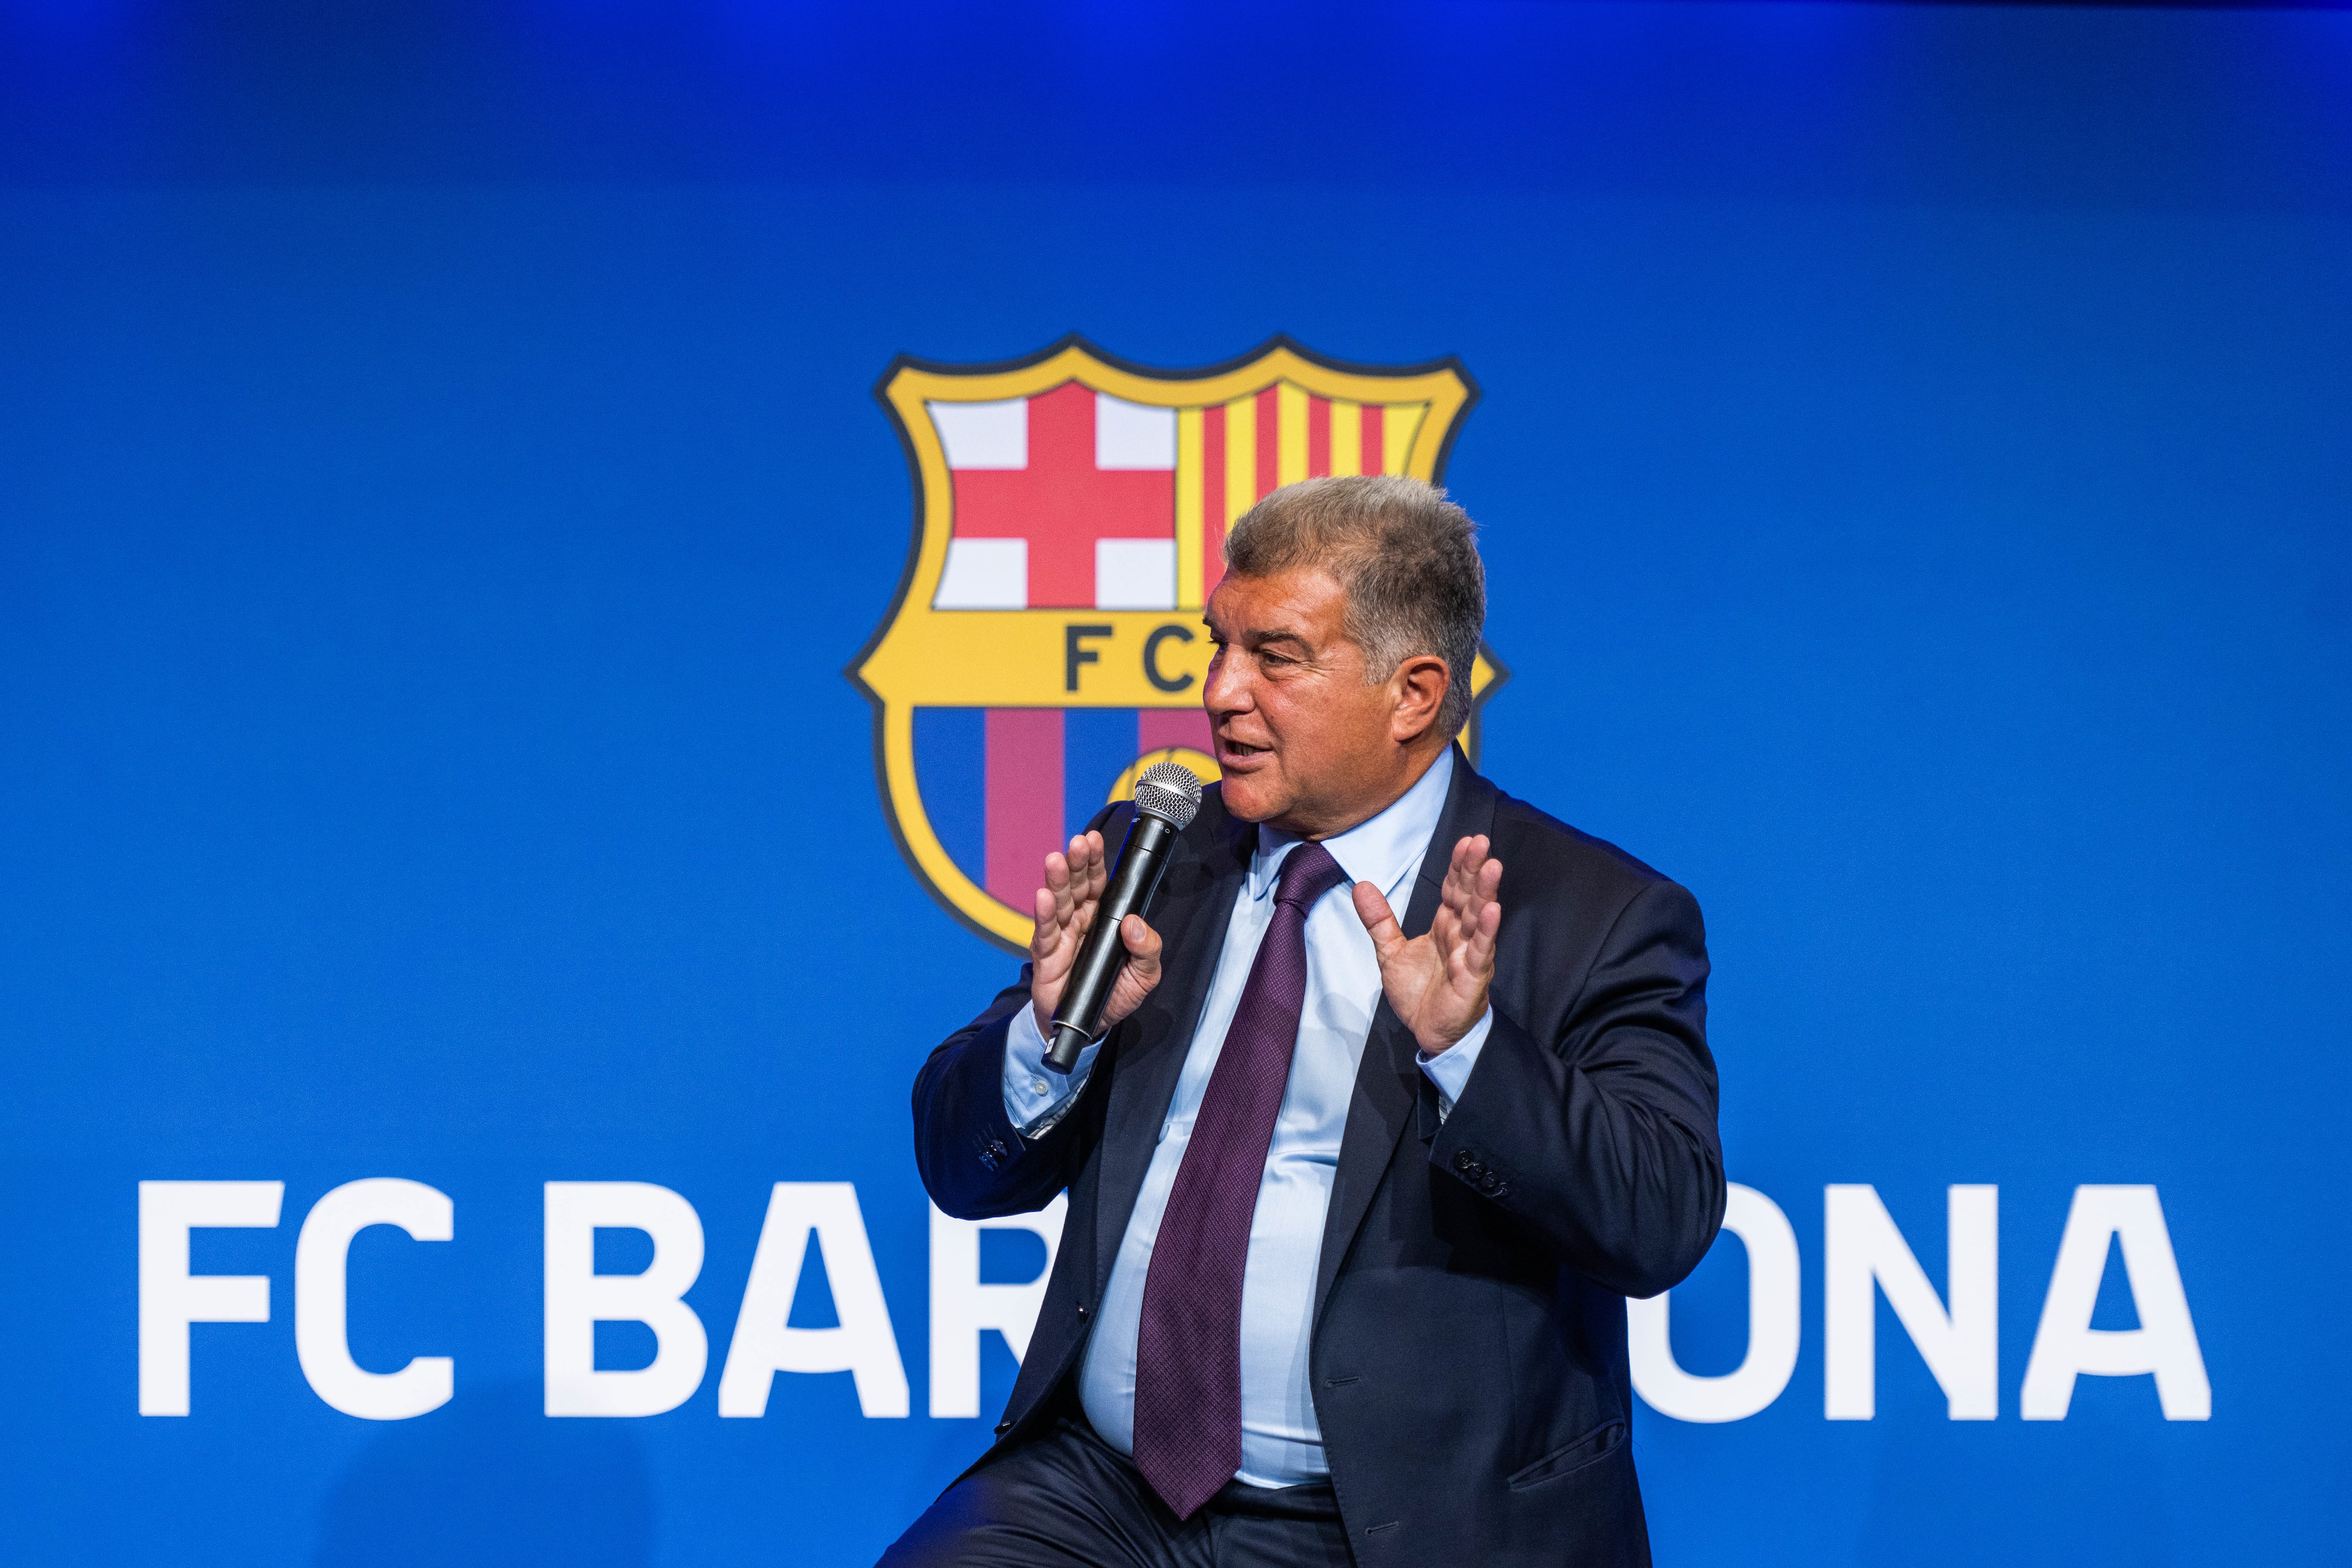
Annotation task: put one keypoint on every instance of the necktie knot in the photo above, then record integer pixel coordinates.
(1306, 876)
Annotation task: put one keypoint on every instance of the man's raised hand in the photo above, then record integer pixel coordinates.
(1437, 983)
(1065, 912)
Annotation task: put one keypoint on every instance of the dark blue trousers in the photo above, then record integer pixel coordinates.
(1068, 1500)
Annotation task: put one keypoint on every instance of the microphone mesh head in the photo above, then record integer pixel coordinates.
(1170, 792)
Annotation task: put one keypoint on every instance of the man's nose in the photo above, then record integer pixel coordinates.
(1227, 691)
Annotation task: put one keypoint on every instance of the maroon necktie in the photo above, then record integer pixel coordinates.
(1188, 1371)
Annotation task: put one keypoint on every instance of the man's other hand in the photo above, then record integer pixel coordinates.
(1066, 906)
(1437, 983)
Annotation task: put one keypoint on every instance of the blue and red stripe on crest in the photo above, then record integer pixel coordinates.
(1041, 774)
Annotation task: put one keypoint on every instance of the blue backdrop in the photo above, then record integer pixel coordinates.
(440, 490)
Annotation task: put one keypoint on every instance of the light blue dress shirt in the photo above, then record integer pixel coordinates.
(1282, 1444)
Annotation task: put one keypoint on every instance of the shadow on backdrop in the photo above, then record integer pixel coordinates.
(488, 1478)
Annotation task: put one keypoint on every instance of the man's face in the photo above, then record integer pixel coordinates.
(1303, 741)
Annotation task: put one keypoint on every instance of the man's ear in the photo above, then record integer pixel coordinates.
(1420, 684)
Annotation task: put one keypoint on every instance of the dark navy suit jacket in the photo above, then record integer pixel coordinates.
(1468, 1357)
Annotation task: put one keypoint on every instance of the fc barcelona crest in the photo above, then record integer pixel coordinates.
(1070, 515)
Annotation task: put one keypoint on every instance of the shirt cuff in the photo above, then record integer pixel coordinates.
(1035, 1095)
(1449, 1068)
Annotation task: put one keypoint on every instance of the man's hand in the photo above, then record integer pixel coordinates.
(1437, 983)
(1066, 905)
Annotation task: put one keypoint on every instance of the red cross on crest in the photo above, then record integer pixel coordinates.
(1064, 500)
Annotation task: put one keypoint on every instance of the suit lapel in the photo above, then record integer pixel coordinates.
(1388, 1081)
(1197, 908)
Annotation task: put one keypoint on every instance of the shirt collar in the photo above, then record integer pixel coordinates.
(1384, 850)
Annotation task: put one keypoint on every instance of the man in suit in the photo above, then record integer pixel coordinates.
(1355, 1198)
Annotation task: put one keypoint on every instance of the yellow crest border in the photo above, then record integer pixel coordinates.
(888, 670)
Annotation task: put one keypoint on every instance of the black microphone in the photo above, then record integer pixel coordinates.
(1167, 798)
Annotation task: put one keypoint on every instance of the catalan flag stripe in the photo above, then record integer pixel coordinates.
(1191, 520)
(1230, 456)
(1290, 412)
(1402, 420)
(1269, 443)
(1216, 491)
(1347, 437)
(1241, 456)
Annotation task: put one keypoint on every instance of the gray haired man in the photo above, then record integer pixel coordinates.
(1358, 1182)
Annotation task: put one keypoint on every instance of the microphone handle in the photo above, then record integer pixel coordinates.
(1101, 955)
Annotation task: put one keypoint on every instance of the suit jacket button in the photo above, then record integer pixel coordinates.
(1082, 1311)
(1489, 1183)
(1003, 1427)
(1463, 1160)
